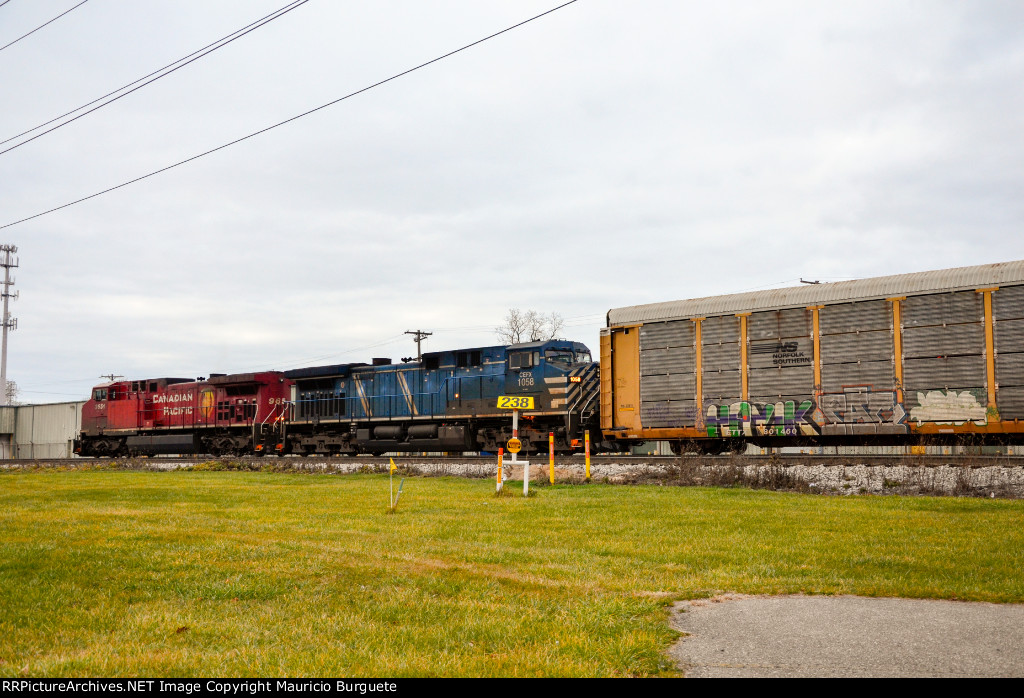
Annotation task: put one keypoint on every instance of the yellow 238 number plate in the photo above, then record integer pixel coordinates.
(509, 402)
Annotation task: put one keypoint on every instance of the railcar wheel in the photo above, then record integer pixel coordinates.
(738, 447)
(712, 447)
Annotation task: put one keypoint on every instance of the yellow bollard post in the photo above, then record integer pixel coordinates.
(586, 450)
(551, 456)
(501, 453)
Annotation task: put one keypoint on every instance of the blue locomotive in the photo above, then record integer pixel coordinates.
(446, 401)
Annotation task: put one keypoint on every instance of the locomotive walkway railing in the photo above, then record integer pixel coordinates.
(401, 405)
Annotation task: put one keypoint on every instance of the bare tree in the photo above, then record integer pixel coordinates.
(553, 324)
(529, 326)
(514, 327)
(13, 392)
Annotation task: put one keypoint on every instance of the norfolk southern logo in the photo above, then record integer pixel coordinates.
(782, 353)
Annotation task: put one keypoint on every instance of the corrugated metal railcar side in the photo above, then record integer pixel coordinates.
(891, 359)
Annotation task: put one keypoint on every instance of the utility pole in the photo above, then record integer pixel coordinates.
(111, 377)
(7, 262)
(419, 335)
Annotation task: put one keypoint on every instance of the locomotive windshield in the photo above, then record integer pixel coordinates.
(566, 357)
(558, 356)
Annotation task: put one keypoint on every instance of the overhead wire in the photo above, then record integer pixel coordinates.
(160, 73)
(342, 352)
(289, 120)
(41, 25)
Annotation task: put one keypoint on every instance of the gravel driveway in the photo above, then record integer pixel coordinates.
(795, 636)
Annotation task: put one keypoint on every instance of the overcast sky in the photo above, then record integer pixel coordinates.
(608, 154)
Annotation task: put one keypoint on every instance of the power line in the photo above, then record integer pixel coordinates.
(4, 3)
(41, 25)
(289, 120)
(162, 72)
(50, 385)
(332, 355)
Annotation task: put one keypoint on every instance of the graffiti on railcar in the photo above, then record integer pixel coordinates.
(862, 410)
(949, 407)
(788, 418)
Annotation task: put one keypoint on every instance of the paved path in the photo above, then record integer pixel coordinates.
(762, 636)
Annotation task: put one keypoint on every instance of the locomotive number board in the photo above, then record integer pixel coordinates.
(511, 402)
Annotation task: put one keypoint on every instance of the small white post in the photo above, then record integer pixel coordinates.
(515, 454)
(515, 431)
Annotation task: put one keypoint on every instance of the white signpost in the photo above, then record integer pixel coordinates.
(514, 444)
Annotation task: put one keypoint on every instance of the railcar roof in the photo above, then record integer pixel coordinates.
(956, 279)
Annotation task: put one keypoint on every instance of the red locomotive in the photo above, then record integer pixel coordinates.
(226, 414)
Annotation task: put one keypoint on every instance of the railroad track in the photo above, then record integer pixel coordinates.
(783, 459)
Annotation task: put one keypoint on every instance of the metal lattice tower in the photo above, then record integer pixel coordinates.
(8, 262)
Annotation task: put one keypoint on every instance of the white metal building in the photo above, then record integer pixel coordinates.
(39, 431)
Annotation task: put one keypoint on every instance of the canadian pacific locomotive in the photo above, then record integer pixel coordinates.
(447, 401)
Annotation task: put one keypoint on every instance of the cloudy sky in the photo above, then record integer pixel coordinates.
(608, 154)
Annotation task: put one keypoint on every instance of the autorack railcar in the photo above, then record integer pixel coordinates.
(914, 358)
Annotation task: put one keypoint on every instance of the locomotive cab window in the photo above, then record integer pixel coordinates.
(99, 394)
(559, 356)
(523, 359)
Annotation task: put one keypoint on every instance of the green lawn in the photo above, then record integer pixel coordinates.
(210, 573)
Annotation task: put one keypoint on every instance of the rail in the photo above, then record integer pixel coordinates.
(785, 459)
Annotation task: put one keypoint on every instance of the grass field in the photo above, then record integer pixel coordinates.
(206, 573)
